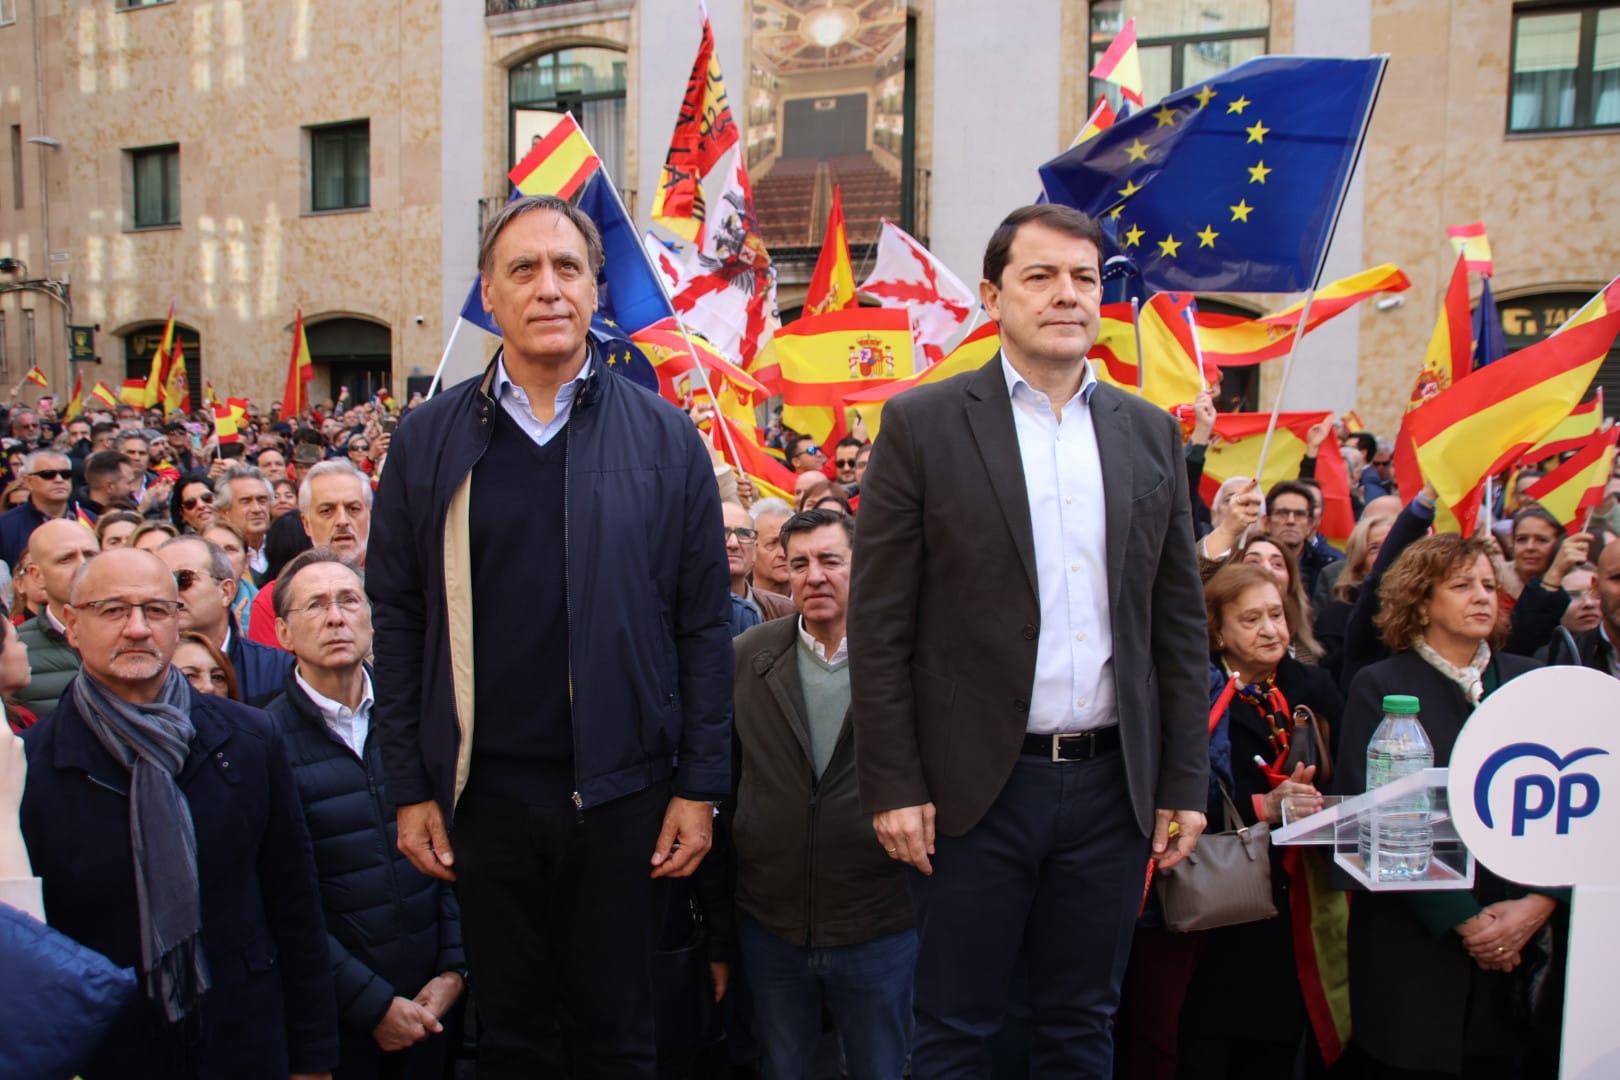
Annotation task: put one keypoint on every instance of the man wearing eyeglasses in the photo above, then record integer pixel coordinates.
(202, 573)
(1291, 520)
(56, 551)
(395, 932)
(168, 836)
(48, 476)
(750, 606)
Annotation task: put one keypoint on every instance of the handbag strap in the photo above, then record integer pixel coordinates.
(1234, 821)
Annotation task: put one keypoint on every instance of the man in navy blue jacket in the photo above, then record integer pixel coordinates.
(207, 584)
(395, 933)
(553, 659)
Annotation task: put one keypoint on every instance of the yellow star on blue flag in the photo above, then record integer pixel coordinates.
(1171, 171)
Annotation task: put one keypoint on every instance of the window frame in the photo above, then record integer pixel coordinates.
(8, 12)
(138, 5)
(346, 130)
(134, 156)
(1176, 43)
(1585, 70)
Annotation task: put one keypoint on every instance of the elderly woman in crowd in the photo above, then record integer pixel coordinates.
(1260, 686)
(1430, 973)
(1269, 555)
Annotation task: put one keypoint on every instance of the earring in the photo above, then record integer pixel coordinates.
(1423, 620)
(1220, 643)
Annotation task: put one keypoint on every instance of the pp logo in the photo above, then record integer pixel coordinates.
(1529, 774)
(1536, 795)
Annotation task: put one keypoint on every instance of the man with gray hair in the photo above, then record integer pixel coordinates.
(553, 673)
(48, 476)
(243, 495)
(770, 564)
(334, 501)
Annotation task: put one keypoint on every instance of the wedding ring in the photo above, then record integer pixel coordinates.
(1499, 949)
(892, 850)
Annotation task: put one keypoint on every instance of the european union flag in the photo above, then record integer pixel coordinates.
(1231, 185)
(621, 354)
(1490, 344)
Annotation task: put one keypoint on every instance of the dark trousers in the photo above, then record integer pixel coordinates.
(1156, 983)
(1053, 875)
(557, 920)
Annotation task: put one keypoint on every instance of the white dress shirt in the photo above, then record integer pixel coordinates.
(1074, 654)
(516, 402)
(819, 651)
(350, 725)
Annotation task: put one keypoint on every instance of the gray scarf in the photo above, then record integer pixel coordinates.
(152, 742)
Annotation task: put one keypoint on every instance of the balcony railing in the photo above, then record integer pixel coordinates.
(502, 7)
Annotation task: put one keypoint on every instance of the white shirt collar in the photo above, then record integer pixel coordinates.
(565, 392)
(819, 651)
(335, 712)
(1088, 381)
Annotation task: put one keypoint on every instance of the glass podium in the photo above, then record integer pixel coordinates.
(1338, 824)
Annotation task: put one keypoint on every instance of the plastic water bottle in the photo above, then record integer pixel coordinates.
(1399, 748)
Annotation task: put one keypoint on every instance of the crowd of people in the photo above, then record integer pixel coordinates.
(524, 691)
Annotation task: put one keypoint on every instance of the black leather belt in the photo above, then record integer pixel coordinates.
(1077, 746)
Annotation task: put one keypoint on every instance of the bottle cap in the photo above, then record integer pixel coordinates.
(1401, 704)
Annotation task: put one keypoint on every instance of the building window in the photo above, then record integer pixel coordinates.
(155, 176)
(340, 166)
(589, 83)
(8, 12)
(1180, 44)
(16, 167)
(131, 5)
(1566, 68)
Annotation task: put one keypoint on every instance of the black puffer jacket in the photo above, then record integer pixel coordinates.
(391, 927)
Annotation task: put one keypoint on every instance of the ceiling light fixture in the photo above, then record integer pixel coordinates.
(827, 26)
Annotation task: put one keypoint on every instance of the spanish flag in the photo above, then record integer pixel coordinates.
(1234, 450)
(674, 354)
(744, 452)
(300, 370)
(133, 392)
(1483, 424)
(239, 410)
(177, 388)
(158, 376)
(1352, 422)
(1233, 341)
(85, 517)
(971, 354)
(104, 394)
(559, 164)
(822, 358)
(1579, 484)
(1572, 432)
(225, 425)
(832, 285)
(1121, 64)
(1171, 372)
(75, 403)
(1470, 242)
(1450, 353)
(1101, 118)
(37, 377)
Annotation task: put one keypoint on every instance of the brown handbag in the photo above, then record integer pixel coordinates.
(1308, 745)
(1225, 881)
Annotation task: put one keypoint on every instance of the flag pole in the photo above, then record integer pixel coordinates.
(1316, 278)
(444, 357)
(1136, 328)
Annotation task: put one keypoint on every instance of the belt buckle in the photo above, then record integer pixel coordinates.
(1085, 743)
(1057, 749)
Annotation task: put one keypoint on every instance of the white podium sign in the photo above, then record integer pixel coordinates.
(1535, 794)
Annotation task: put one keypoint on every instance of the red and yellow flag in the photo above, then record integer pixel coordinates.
(1578, 484)
(1233, 341)
(1121, 64)
(158, 376)
(1234, 450)
(177, 387)
(741, 446)
(671, 354)
(208, 392)
(1100, 120)
(832, 285)
(1572, 432)
(300, 370)
(225, 425)
(1484, 423)
(971, 354)
(1473, 245)
(103, 393)
(133, 392)
(239, 410)
(75, 403)
(1352, 422)
(37, 377)
(704, 131)
(1171, 375)
(1449, 355)
(819, 359)
(559, 164)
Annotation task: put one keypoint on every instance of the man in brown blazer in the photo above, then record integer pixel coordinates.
(1028, 664)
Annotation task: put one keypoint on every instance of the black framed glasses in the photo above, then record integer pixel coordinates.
(115, 612)
(743, 535)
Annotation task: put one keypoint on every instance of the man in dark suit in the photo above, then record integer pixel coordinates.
(1028, 664)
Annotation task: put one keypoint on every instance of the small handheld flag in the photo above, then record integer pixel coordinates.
(37, 377)
(1121, 64)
